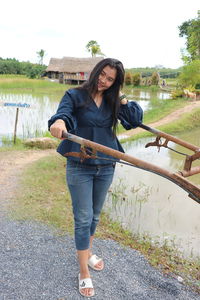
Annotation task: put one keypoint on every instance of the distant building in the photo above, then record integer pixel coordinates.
(71, 69)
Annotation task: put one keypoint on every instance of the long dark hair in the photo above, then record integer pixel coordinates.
(111, 95)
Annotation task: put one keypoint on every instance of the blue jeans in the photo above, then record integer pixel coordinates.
(88, 186)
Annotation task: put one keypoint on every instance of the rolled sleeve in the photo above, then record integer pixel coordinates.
(130, 115)
(65, 112)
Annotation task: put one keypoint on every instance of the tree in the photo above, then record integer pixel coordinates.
(190, 75)
(93, 47)
(35, 71)
(41, 55)
(10, 66)
(191, 31)
(13, 66)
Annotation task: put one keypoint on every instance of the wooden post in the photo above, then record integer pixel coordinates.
(16, 120)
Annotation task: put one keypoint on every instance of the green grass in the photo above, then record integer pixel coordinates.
(160, 109)
(8, 144)
(172, 82)
(43, 196)
(185, 123)
(20, 83)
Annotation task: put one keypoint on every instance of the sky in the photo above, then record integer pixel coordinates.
(139, 33)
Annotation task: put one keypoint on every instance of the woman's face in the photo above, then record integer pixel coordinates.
(106, 78)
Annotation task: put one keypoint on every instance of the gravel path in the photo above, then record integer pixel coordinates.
(37, 263)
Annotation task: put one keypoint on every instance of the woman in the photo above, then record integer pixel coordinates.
(92, 112)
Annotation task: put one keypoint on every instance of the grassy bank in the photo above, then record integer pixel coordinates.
(187, 122)
(43, 197)
(159, 110)
(8, 144)
(20, 83)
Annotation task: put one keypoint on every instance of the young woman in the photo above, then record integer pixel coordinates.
(92, 112)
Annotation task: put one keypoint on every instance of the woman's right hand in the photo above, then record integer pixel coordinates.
(57, 128)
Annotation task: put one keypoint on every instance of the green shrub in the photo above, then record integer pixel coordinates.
(136, 77)
(128, 79)
(177, 94)
(190, 74)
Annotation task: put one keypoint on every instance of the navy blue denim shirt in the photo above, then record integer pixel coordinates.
(92, 122)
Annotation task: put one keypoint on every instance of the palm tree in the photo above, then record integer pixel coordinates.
(93, 47)
(41, 55)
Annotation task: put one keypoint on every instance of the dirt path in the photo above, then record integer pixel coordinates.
(170, 118)
(11, 165)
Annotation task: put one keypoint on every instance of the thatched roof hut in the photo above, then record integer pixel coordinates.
(54, 65)
(76, 65)
(69, 69)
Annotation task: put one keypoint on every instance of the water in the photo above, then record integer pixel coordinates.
(140, 94)
(33, 121)
(146, 203)
(144, 97)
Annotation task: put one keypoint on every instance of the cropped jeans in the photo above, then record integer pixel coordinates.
(88, 186)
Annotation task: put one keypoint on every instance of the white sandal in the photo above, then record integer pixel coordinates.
(85, 284)
(93, 261)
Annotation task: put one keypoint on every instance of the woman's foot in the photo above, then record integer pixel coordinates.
(85, 283)
(95, 262)
(86, 288)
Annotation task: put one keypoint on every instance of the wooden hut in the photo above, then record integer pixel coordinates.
(71, 69)
(53, 68)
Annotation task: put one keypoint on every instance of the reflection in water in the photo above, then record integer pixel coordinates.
(31, 121)
(163, 96)
(146, 203)
(143, 97)
(138, 94)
